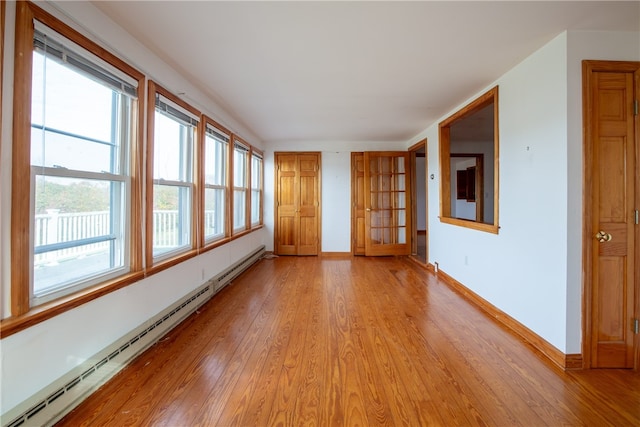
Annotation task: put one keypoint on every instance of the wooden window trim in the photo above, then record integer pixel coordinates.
(22, 315)
(445, 167)
(154, 267)
(247, 189)
(202, 244)
(260, 153)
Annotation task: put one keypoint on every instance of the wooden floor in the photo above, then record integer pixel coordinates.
(364, 341)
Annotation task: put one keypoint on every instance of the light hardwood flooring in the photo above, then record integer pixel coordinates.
(307, 341)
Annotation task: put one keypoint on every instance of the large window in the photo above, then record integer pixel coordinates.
(75, 131)
(172, 142)
(240, 185)
(80, 202)
(216, 156)
(256, 188)
(80, 132)
(469, 165)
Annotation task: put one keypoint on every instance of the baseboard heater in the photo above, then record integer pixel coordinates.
(59, 398)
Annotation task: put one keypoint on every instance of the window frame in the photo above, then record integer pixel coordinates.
(260, 189)
(21, 314)
(444, 128)
(239, 230)
(22, 311)
(215, 242)
(172, 257)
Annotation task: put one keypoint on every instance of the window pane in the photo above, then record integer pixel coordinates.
(255, 207)
(239, 168)
(214, 208)
(69, 152)
(76, 122)
(172, 142)
(256, 172)
(78, 230)
(67, 100)
(171, 218)
(78, 125)
(215, 161)
(239, 210)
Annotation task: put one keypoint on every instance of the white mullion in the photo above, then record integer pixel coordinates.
(73, 173)
(170, 183)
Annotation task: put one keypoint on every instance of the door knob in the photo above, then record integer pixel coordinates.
(368, 210)
(603, 237)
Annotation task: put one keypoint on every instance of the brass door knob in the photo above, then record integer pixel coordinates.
(603, 237)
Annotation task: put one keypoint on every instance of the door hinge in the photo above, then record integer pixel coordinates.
(635, 107)
(636, 217)
(636, 326)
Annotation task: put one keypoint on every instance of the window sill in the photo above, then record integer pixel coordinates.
(480, 226)
(35, 315)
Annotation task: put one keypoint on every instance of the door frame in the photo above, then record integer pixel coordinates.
(422, 144)
(588, 68)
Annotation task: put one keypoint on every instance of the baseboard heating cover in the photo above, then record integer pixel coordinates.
(58, 399)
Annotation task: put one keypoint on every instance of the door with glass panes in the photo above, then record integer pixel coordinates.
(386, 203)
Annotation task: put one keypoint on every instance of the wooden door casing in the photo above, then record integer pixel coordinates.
(297, 225)
(357, 208)
(610, 202)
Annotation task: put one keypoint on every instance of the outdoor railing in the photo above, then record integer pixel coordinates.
(55, 228)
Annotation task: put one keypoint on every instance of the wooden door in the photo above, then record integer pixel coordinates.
(358, 230)
(297, 228)
(387, 202)
(611, 232)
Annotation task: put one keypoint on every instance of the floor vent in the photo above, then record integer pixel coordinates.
(82, 382)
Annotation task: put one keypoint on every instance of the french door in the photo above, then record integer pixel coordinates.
(385, 201)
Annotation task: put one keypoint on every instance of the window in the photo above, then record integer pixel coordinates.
(256, 188)
(216, 155)
(469, 165)
(171, 140)
(240, 185)
(75, 132)
(80, 116)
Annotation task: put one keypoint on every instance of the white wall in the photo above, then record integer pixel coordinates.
(35, 357)
(532, 269)
(522, 270)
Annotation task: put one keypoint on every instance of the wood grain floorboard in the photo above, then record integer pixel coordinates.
(307, 341)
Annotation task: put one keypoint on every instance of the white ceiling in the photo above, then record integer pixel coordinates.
(351, 71)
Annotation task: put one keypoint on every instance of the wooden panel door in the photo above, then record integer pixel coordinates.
(387, 194)
(611, 185)
(297, 228)
(358, 230)
(308, 203)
